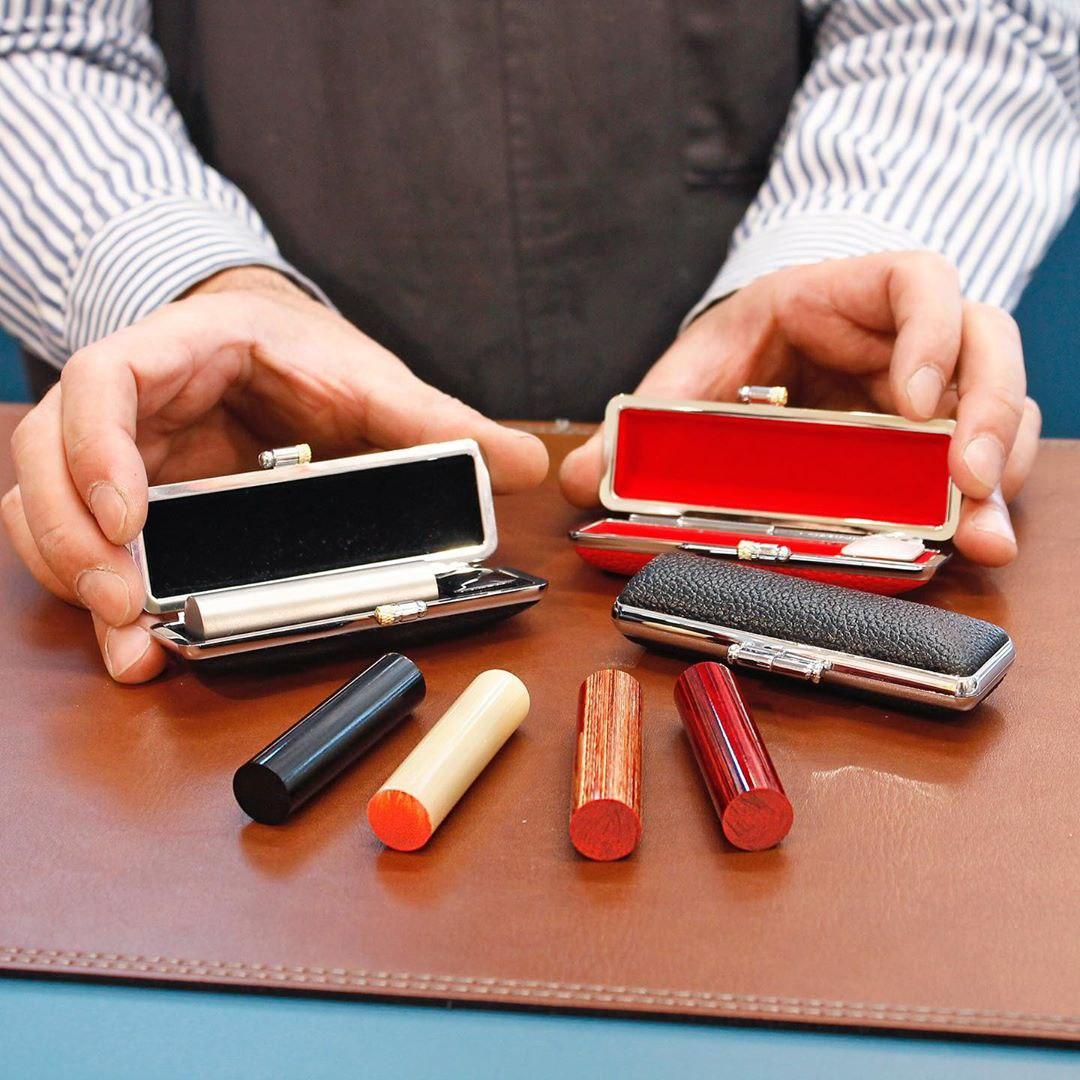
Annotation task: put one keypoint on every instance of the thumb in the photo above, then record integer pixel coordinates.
(131, 655)
(580, 472)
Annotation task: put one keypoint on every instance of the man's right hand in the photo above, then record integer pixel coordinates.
(197, 389)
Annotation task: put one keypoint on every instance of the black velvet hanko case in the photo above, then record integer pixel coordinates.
(311, 550)
(814, 632)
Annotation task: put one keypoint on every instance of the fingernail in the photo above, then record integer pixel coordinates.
(109, 507)
(125, 646)
(992, 518)
(527, 436)
(985, 457)
(105, 593)
(924, 390)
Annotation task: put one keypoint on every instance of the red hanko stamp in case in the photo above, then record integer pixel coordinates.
(848, 498)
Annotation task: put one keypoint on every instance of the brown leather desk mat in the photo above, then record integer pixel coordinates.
(931, 880)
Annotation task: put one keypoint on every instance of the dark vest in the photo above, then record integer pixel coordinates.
(521, 198)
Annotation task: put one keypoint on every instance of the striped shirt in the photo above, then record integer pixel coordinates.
(949, 125)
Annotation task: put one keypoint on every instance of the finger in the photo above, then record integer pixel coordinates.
(405, 411)
(19, 532)
(375, 398)
(131, 655)
(101, 575)
(985, 533)
(580, 472)
(99, 407)
(991, 385)
(924, 295)
(175, 366)
(1025, 449)
(852, 315)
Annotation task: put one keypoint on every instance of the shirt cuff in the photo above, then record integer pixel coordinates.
(801, 241)
(153, 253)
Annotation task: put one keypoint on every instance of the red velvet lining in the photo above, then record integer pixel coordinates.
(761, 466)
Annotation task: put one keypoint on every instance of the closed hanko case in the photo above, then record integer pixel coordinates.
(814, 632)
(310, 550)
(850, 498)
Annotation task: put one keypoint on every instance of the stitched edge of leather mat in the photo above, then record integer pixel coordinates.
(592, 996)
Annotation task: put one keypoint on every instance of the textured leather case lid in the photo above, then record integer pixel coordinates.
(931, 879)
(801, 612)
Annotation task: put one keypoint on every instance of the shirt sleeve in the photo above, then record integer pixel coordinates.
(106, 209)
(943, 125)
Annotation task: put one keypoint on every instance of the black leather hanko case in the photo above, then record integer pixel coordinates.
(850, 498)
(316, 549)
(815, 632)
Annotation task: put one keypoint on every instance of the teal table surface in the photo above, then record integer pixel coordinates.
(83, 1030)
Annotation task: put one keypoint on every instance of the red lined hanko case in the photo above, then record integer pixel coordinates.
(849, 498)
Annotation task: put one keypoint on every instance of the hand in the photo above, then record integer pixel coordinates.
(887, 333)
(196, 389)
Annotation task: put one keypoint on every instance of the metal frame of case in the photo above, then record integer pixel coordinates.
(812, 664)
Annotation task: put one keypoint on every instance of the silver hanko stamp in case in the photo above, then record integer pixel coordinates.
(306, 550)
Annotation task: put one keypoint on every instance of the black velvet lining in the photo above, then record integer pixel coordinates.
(216, 539)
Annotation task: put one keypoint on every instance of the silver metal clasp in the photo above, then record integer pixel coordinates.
(753, 654)
(763, 395)
(406, 611)
(285, 455)
(756, 551)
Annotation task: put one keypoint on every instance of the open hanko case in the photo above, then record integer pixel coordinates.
(305, 550)
(848, 498)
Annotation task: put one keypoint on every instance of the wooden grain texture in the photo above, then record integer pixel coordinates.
(605, 821)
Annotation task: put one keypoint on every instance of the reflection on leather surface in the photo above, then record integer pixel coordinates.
(930, 882)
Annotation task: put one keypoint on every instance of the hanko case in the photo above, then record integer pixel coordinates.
(850, 498)
(814, 632)
(313, 550)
